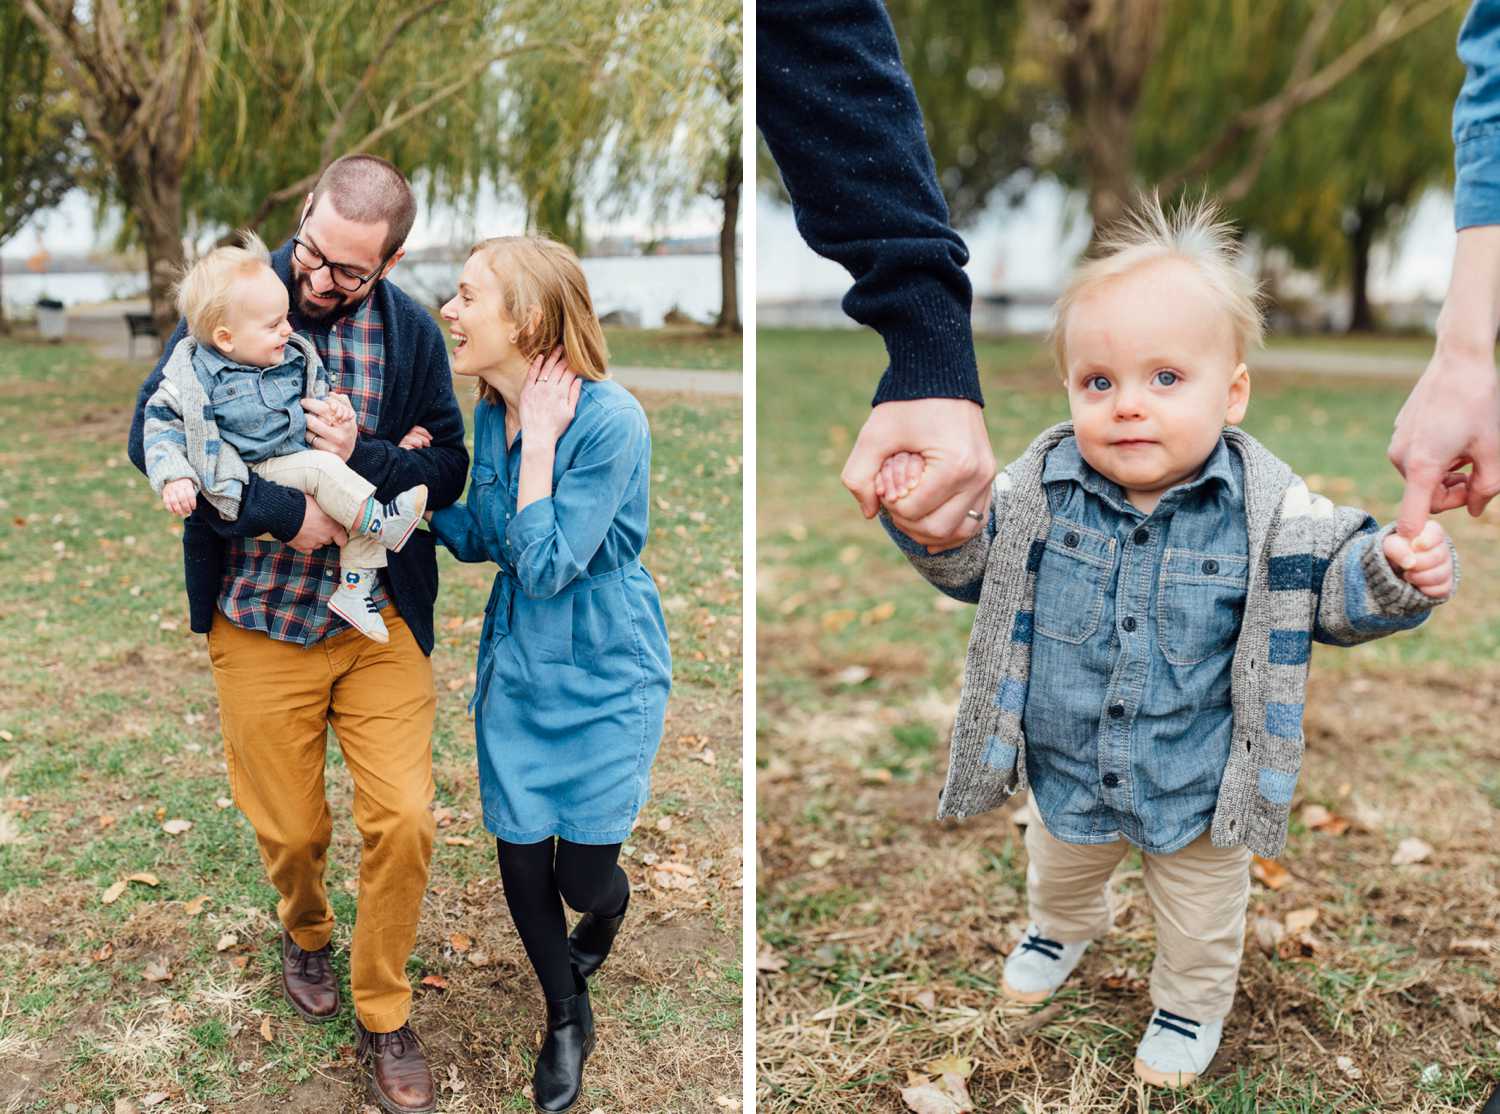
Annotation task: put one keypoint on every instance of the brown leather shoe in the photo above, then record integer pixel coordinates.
(399, 1077)
(308, 981)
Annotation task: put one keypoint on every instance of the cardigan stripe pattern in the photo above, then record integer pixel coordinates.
(1317, 571)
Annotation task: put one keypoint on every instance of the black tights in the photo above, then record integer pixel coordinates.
(538, 878)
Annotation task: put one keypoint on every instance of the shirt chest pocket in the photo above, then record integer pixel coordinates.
(237, 405)
(1200, 604)
(1076, 567)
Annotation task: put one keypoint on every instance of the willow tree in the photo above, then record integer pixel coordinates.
(40, 145)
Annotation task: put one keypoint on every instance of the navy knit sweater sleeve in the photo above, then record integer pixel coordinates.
(839, 115)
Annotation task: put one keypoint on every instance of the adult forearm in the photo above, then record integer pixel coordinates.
(1470, 317)
(537, 459)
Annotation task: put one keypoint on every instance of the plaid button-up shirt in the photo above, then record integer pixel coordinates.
(271, 587)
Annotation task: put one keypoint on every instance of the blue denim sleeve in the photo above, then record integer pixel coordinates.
(554, 539)
(455, 526)
(1476, 120)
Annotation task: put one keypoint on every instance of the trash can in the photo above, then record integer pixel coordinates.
(51, 319)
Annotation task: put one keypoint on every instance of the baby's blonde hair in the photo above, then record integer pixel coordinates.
(205, 289)
(1195, 232)
(545, 294)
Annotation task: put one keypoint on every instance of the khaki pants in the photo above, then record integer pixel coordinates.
(1198, 894)
(276, 703)
(339, 490)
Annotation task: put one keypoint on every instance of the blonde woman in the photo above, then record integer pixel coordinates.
(573, 668)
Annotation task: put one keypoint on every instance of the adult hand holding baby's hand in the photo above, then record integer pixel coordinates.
(325, 432)
(1425, 561)
(957, 467)
(180, 497)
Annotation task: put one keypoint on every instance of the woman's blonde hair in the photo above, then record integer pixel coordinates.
(544, 292)
(1195, 232)
(205, 290)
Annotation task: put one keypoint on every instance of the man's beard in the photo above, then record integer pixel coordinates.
(319, 312)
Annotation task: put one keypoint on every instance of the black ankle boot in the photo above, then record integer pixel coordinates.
(592, 937)
(558, 1079)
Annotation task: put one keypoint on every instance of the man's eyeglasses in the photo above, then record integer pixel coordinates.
(344, 276)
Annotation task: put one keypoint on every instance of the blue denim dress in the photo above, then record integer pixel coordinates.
(574, 668)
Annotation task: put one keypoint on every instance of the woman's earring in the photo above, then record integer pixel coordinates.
(513, 338)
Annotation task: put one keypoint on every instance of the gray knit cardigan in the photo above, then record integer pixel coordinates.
(181, 438)
(1316, 570)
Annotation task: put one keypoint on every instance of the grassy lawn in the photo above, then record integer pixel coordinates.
(108, 728)
(680, 346)
(883, 932)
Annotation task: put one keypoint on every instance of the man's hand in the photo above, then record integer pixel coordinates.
(317, 530)
(1424, 562)
(1450, 421)
(180, 497)
(958, 467)
(326, 432)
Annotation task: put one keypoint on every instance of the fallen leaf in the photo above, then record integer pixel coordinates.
(105, 821)
(154, 1098)
(265, 1028)
(144, 876)
(1269, 873)
(112, 894)
(194, 907)
(1411, 850)
(1268, 933)
(852, 675)
(458, 841)
(105, 952)
(960, 1066)
(6, 736)
(156, 971)
(1300, 920)
(225, 942)
(1313, 815)
(442, 816)
(177, 827)
(478, 959)
(927, 999)
(724, 1102)
(435, 982)
(947, 1095)
(460, 942)
(1346, 1066)
(768, 962)
(125, 1106)
(241, 961)
(837, 620)
(664, 824)
(706, 756)
(455, 684)
(223, 802)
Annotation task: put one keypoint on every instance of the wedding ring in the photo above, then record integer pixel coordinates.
(544, 379)
(975, 515)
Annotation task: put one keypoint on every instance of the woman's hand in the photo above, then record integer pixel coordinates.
(416, 438)
(549, 397)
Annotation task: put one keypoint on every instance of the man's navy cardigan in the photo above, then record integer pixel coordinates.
(418, 390)
(839, 115)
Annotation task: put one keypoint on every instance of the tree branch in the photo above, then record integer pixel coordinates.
(1262, 120)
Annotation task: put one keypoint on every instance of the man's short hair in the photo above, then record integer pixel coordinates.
(369, 190)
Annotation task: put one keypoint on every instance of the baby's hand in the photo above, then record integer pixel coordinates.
(898, 476)
(1424, 561)
(343, 409)
(180, 497)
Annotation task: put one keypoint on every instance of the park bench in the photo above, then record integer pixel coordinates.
(141, 325)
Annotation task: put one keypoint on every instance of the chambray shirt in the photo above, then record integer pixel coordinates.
(258, 409)
(1476, 120)
(1127, 715)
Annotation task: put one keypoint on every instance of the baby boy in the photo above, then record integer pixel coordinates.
(231, 398)
(1150, 580)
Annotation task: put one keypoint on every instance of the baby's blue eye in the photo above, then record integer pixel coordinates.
(1097, 383)
(1166, 378)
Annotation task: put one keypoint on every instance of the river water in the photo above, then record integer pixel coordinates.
(646, 286)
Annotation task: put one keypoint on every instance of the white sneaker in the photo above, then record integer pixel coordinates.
(351, 602)
(1037, 966)
(1176, 1050)
(394, 521)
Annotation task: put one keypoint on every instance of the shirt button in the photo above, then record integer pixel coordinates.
(1116, 711)
(1210, 567)
(1141, 536)
(1129, 623)
(1111, 780)
(1070, 540)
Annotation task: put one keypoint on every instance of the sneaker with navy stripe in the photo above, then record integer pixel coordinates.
(353, 601)
(1038, 965)
(395, 520)
(1176, 1049)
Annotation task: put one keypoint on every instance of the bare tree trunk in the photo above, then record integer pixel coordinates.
(1361, 238)
(4, 321)
(729, 301)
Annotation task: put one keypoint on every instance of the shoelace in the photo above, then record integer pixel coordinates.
(400, 1038)
(311, 965)
(1040, 944)
(1175, 1023)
